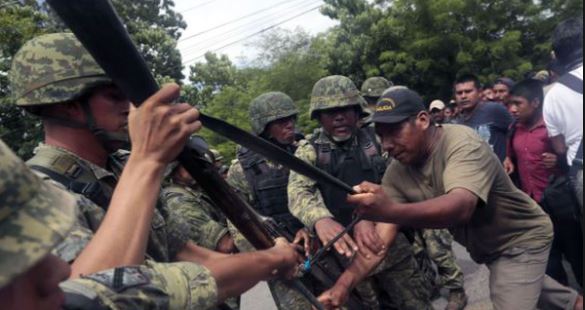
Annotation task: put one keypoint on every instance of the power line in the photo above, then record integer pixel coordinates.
(235, 20)
(255, 34)
(224, 36)
(197, 6)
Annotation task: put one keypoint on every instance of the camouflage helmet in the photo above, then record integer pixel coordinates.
(53, 68)
(375, 87)
(335, 92)
(270, 107)
(34, 216)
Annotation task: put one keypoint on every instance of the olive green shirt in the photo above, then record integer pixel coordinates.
(504, 218)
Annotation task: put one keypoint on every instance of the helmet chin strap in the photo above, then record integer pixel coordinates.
(107, 138)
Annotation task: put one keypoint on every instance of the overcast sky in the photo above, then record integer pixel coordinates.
(255, 15)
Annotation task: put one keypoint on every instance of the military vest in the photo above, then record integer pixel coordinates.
(78, 176)
(269, 189)
(357, 161)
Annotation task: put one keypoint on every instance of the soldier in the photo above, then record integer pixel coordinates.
(435, 246)
(372, 89)
(352, 155)
(85, 118)
(447, 177)
(37, 216)
(207, 225)
(263, 183)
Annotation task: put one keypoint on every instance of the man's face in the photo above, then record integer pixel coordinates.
(38, 288)
(448, 113)
(340, 123)
(488, 94)
(522, 109)
(110, 108)
(467, 96)
(404, 141)
(438, 115)
(283, 130)
(501, 92)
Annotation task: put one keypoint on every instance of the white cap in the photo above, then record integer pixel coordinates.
(437, 104)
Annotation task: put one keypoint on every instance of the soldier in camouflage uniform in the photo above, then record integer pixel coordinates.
(35, 217)
(207, 225)
(435, 246)
(263, 183)
(353, 156)
(85, 117)
(373, 88)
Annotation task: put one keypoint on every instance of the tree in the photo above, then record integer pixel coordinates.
(19, 22)
(425, 44)
(288, 61)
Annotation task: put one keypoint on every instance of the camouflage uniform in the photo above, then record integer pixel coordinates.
(35, 216)
(398, 276)
(434, 245)
(54, 69)
(265, 109)
(207, 226)
(149, 286)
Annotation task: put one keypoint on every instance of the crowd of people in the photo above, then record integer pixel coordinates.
(87, 225)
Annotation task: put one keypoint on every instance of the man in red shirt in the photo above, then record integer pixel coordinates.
(530, 152)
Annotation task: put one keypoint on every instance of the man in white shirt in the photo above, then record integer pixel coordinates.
(563, 106)
(563, 115)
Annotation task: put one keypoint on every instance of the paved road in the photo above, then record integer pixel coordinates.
(476, 285)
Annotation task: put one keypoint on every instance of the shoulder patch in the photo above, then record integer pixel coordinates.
(121, 279)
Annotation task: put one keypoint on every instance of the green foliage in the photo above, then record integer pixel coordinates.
(18, 24)
(153, 24)
(288, 62)
(424, 44)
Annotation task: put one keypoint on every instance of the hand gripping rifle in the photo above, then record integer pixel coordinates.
(99, 28)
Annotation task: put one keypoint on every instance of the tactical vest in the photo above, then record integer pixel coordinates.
(76, 175)
(269, 189)
(353, 165)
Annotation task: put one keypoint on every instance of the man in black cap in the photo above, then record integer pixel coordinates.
(447, 177)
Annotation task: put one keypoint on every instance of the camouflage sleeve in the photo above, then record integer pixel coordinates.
(304, 198)
(149, 286)
(203, 228)
(237, 179)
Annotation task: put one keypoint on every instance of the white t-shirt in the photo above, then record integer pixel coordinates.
(563, 114)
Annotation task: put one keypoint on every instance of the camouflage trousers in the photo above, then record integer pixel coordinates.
(150, 286)
(399, 282)
(433, 249)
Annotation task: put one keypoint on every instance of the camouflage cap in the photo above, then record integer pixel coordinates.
(270, 107)
(375, 87)
(335, 92)
(51, 69)
(34, 216)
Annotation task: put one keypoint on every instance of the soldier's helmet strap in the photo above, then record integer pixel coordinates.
(104, 136)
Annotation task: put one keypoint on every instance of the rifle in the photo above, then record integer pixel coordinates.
(98, 27)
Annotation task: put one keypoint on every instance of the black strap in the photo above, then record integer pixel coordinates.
(572, 82)
(578, 161)
(92, 191)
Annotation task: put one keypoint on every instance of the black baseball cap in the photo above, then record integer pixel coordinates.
(397, 106)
